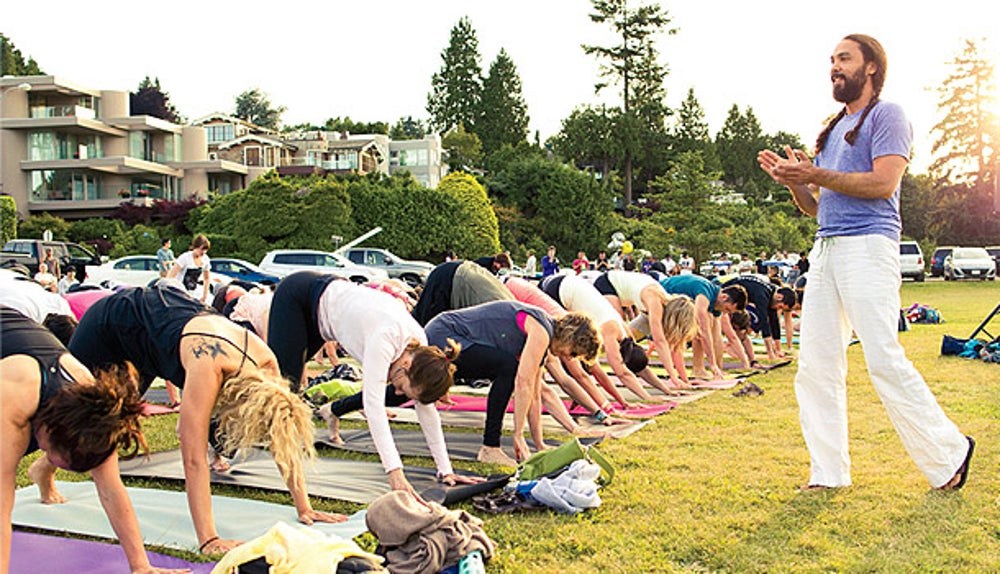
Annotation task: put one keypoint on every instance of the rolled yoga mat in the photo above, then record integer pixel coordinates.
(349, 480)
(164, 518)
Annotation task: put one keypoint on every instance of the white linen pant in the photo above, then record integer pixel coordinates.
(853, 282)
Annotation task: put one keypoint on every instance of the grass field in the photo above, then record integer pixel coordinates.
(713, 486)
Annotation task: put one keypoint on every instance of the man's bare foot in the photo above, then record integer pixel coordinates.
(332, 424)
(495, 455)
(43, 474)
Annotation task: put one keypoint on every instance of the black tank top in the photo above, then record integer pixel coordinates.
(22, 336)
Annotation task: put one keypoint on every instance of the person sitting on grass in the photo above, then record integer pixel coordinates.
(52, 402)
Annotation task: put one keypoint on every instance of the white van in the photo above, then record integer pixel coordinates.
(911, 260)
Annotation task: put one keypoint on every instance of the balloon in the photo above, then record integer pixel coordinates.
(618, 237)
(627, 247)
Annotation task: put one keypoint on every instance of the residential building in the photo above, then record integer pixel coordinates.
(325, 152)
(257, 148)
(423, 158)
(78, 152)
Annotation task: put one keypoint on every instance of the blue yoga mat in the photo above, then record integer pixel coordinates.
(163, 516)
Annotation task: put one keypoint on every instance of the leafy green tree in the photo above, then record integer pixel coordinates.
(12, 62)
(738, 143)
(463, 149)
(477, 232)
(631, 60)
(35, 225)
(917, 205)
(8, 219)
(503, 117)
(408, 129)
(554, 201)
(150, 100)
(969, 132)
(456, 90)
(350, 126)
(137, 239)
(255, 107)
(587, 139)
(88, 230)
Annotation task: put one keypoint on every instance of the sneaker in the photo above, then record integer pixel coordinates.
(495, 455)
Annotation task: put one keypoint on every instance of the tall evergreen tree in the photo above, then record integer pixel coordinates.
(255, 107)
(968, 134)
(408, 129)
(739, 141)
(631, 59)
(150, 100)
(690, 132)
(12, 62)
(456, 90)
(503, 117)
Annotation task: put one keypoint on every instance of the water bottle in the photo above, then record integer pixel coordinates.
(472, 563)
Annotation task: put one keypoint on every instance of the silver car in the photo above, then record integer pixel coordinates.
(414, 273)
(283, 262)
(969, 263)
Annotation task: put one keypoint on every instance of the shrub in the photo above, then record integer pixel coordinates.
(36, 225)
(8, 219)
(476, 230)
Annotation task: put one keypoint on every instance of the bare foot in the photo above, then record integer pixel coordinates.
(332, 424)
(495, 455)
(701, 375)
(216, 462)
(43, 474)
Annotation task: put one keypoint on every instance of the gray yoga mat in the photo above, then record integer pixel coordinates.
(349, 480)
(163, 515)
(461, 445)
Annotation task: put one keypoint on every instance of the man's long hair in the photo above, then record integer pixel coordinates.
(872, 52)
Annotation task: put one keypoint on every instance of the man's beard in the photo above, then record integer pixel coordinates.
(851, 88)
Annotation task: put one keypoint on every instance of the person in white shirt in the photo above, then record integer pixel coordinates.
(192, 269)
(531, 265)
(309, 309)
(67, 281)
(46, 279)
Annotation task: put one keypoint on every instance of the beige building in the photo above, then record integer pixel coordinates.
(77, 152)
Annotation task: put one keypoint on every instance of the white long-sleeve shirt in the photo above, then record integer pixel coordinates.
(375, 329)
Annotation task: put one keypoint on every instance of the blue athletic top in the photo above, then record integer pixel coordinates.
(693, 285)
(22, 336)
(491, 324)
(140, 325)
(886, 131)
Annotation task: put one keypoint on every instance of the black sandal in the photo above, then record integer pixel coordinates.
(963, 471)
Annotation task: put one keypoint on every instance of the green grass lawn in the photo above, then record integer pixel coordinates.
(712, 486)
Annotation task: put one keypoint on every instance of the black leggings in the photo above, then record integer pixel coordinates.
(293, 326)
(485, 362)
(355, 402)
(435, 298)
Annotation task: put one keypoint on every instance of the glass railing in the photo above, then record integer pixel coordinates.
(96, 193)
(61, 112)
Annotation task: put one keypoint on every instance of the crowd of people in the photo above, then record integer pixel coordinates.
(239, 355)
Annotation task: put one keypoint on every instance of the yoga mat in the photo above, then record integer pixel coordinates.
(685, 396)
(718, 384)
(350, 480)
(478, 404)
(32, 553)
(153, 409)
(163, 515)
(461, 445)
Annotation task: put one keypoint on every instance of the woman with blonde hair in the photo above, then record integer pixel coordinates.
(669, 320)
(52, 402)
(310, 309)
(508, 342)
(225, 371)
(193, 268)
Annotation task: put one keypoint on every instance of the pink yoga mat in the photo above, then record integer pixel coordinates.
(717, 383)
(150, 409)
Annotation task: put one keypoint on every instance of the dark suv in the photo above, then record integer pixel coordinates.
(937, 260)
(994, 252)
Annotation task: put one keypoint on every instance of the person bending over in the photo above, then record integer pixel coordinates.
(52, 402)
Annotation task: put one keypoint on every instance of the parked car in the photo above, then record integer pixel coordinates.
(969, 263)
(911, 260)
(937, 260)
(138, 271)
(243, 270)
(413, 272)
(994, 252)
(28, 252)
(284, 262)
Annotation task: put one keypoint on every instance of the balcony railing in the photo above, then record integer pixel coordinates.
(62, 112)
(96, 193)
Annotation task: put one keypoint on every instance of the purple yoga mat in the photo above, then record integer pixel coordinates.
(32, 553)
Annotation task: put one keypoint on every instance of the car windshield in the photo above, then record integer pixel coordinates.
(970, 253)
(908, 249)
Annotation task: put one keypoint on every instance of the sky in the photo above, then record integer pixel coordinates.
(374, 61)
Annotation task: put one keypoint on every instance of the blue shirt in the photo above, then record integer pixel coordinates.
(886, 131)
(693, 285)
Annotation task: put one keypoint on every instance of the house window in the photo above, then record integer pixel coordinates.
(220, 133)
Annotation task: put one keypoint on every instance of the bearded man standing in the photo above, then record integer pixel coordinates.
(853, 190)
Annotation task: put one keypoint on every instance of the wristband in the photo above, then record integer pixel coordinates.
(206, 543)
(600, 415)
